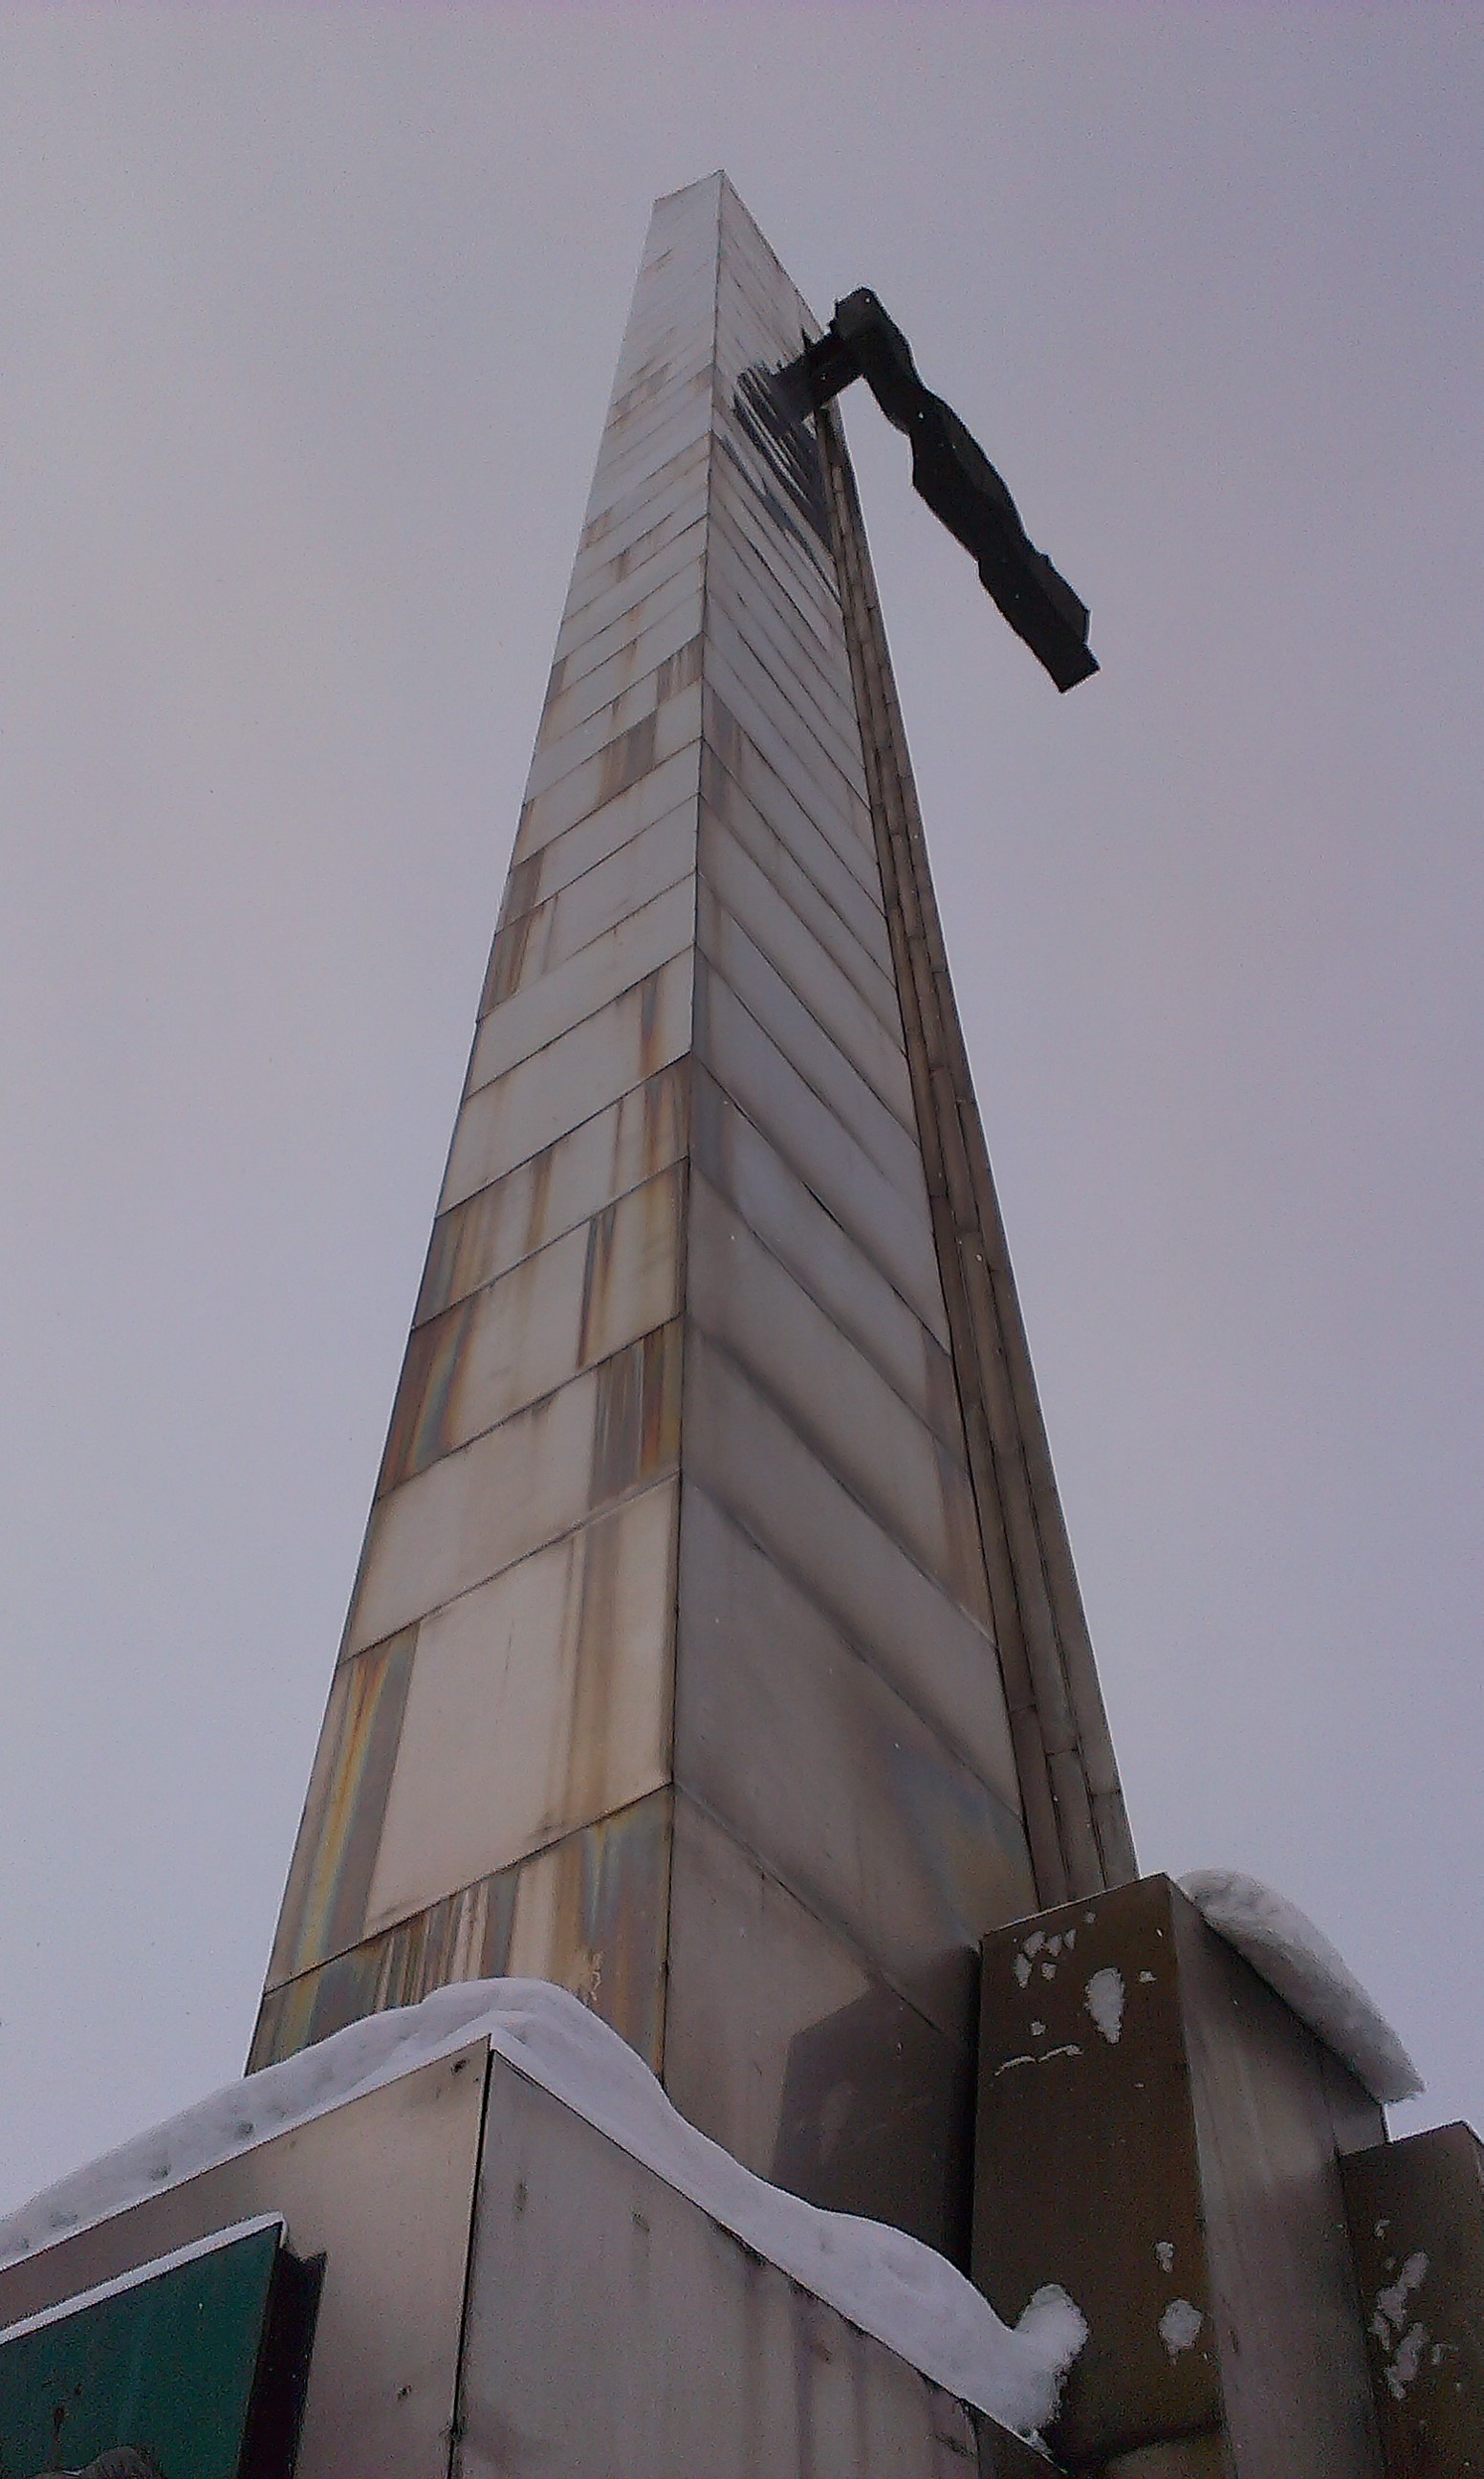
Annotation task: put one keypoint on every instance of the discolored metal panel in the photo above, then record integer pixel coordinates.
(574, 1077)
(383, 2186)
(1416, 2212)
(632, 950)
(575, 742)
(801, 1749)
(537, 1702)
(325, 1901)
(644, 749)
(781, 2045)
(834, 1398)
(614, 2327)
(587, 1912)
(535, 941)
(567, 1182)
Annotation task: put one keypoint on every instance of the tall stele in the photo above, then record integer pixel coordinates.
(716, 1648)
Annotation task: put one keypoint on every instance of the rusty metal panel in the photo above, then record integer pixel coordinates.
(577, 1075)
(894, 1231)
(743, 1166)
(384, 2187)
(678, 609)
(325, 1901)
(562, 745)
(637, 583)
(587, 1912)
(634, 1139)
(779, 2045)
(664, 732)
(1154, 2132)
(1416, 2212)
(816, 1052)
(598, 972)
(617, 2331)
(533, 942)
(753, 1463)
(803, 1752)
(583, 849)
(577, 690)
(623, 807)
(831, 1394)
(536, 1703)
(749, 897)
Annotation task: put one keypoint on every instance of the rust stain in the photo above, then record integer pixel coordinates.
(626, 759)
(325, 1905)
(539, 1173)
(679, 671)
(637, 1426)
(648, 1024)
(597, 1280)
(507, 957)
(426, 1398)
(611, 1893)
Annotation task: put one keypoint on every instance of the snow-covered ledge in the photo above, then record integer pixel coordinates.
(890, 2285)
(1286, 1949)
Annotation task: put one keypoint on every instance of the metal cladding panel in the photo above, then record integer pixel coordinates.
(571, 1079)
(826, 898)
(752, 1462)
(748, 1065)
(588, 1912)
(602, 970)
(383, 2186)
(534, 940)
(802, 1752)
(788, 1217)
(782, 2046)
(634, 1139)
(737, 895)
(740, 1295)
(615, 2331)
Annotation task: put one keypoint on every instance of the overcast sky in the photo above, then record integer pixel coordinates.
(308, 320)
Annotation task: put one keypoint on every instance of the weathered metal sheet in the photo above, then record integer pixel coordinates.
(384, 2187)
(324, 1902)
(574, 1077)
(797, 1744)
(1416, 2212)
(600, 971)
(616, 2332)
(536, 940)
(665, 732)
(635, 1138)
(805, 866)
(588, 1912)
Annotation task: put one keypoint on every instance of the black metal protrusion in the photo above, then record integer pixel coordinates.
(952, 472)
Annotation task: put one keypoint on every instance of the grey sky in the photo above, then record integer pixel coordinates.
(310, 317)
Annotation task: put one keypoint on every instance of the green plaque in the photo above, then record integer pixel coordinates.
(171, 2361)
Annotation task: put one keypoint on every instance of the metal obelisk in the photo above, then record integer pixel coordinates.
(715, 1649)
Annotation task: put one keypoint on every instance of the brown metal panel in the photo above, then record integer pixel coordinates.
(616, 2330)
(384, 2187)
(781, 2045)
(1155, 2134)
(755, 1464)
(802, 1752)
(1416, 2212)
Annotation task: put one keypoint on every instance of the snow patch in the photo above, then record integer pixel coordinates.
(1104, 2002)
(1165, 2253)
(1290, 1953)
(1179, 2326)
(889, 2285)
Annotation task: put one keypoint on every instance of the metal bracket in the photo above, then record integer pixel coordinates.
(952, 472)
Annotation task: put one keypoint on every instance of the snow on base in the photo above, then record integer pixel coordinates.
(1290, 1953)
(889, 2285)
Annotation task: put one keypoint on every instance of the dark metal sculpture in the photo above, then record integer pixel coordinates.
(952, 472)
